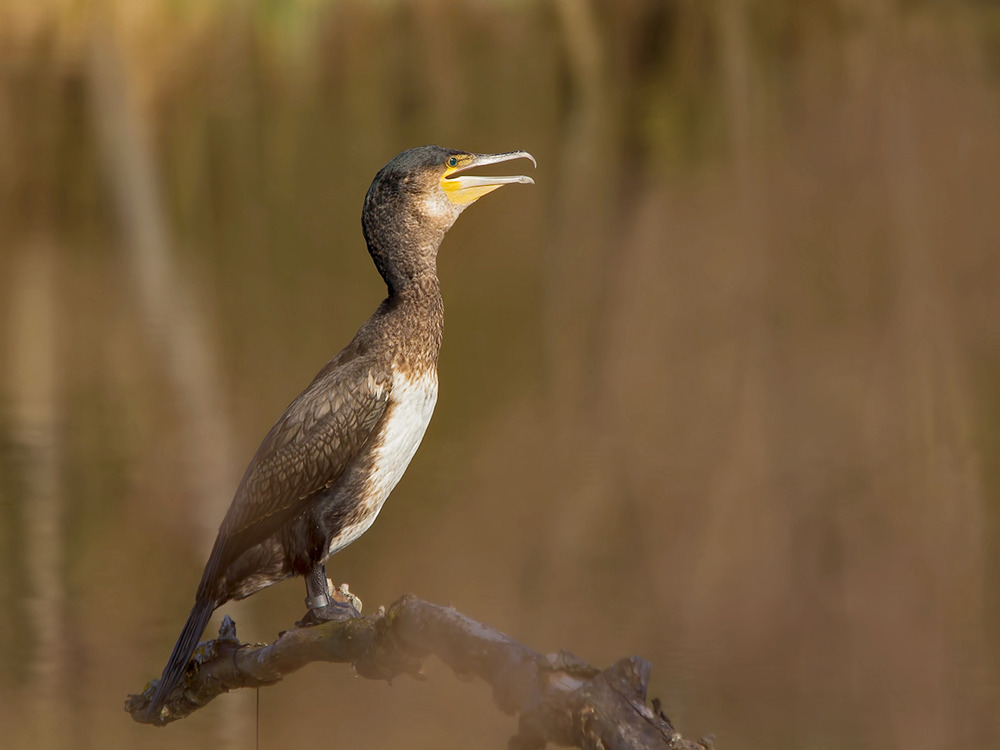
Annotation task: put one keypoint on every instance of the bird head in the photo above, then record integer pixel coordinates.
(416, 197)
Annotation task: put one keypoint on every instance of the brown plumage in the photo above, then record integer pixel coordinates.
(322, 473)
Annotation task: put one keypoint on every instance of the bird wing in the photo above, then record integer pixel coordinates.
(306, 451)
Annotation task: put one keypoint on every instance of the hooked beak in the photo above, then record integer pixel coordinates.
(465, 188)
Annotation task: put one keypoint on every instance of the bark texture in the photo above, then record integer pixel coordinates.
(559, 698)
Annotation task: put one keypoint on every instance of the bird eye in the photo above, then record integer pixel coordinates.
(452, 162)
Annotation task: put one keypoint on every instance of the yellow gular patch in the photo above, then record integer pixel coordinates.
(459, 194)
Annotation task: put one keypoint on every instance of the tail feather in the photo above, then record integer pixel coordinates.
(179, 657)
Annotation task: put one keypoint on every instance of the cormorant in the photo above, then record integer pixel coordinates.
(322, 473)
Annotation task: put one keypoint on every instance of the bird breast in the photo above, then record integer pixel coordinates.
(411, 404)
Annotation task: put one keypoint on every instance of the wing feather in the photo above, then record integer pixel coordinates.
(307, 450)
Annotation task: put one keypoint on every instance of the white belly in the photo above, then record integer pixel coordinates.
(411, 405)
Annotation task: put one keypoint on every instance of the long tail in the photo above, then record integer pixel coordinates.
(185, 646)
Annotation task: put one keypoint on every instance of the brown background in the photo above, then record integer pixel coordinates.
(722, 389)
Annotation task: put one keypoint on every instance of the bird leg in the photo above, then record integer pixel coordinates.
(317, 587)
(322, 607)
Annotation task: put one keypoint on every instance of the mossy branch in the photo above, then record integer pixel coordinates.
(559, 698)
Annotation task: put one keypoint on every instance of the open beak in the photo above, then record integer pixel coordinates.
(466, 188)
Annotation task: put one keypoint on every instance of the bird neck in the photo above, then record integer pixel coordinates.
(404, 267)
(403, 249)
(415, 323)
(422, 290)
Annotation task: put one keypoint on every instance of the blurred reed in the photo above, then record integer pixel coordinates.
(723, 391)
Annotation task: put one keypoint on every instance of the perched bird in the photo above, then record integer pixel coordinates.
(322, 473)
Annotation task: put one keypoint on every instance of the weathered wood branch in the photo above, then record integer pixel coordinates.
(559, 698)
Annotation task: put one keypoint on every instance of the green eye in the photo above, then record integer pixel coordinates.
(452, 162)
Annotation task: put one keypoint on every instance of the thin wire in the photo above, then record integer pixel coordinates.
(257, 690)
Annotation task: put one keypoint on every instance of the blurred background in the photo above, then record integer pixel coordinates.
(721, 390)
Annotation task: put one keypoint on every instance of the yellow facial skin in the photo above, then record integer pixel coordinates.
(462, 189)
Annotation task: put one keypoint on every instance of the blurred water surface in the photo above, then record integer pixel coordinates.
(722, 389)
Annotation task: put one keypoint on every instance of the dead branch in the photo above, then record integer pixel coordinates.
(560, 699)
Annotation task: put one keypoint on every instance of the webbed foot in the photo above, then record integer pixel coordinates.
(323, 604)
(334, 610)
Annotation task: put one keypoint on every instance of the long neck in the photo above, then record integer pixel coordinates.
(404, 248)
(414, 322)
(403, 244)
